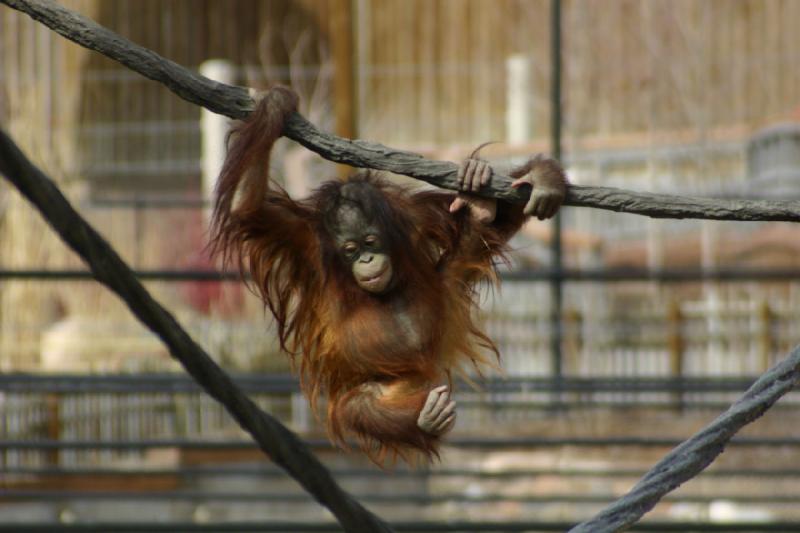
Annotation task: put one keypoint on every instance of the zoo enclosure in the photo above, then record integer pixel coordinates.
(760, 328)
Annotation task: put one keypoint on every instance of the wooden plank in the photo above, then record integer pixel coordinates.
(341, 37)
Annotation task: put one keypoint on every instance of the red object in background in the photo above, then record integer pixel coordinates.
(223, 298)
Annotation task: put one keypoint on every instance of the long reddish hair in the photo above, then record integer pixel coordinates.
(286, 247)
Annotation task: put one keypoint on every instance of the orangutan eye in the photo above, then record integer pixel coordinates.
(371, 240)
(350, 248)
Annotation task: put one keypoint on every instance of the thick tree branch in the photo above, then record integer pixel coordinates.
(283, 446)
(695, 454)
(235, 102)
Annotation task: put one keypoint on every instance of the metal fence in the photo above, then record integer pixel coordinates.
(139, 446)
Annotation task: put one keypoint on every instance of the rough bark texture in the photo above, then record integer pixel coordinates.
(236, 102)
(283, 446)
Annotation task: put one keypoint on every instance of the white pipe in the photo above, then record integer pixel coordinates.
(518, 99)
(213, 129)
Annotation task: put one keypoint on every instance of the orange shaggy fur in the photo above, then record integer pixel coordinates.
(373, 358)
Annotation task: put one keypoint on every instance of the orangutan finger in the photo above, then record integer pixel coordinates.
(440, 404)
(480, 168)
(465, 186)
(524, 180)
(433, 397)
(486, 176)
(462, 169)
(555, 203)
(447, 425)
(447, 411)
(458, 203)
(541, 208)
(532, 207)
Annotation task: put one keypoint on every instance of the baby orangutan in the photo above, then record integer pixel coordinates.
(373, 288)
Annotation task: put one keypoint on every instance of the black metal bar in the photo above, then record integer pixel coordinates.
(283, 383)
(593, 404)
(589, 404)
(144, 275)
(261, 470)
(152, 202)
(672, 275)
(407, 527)
(419, 498)
(556, 288)
(462, 442)
(137, 383)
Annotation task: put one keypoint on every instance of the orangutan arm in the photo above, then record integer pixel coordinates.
(256, 226)
(394, 417)
(489, 225)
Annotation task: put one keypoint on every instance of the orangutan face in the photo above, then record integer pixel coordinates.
(360, 243)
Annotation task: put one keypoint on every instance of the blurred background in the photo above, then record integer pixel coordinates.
(617, 343)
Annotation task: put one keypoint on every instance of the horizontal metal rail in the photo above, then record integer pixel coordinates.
(269, 471)
(405, 527)
(415, 498)
(144, 275)
(617, 275)
(687, 393)
(458, 442)
(149, 202)
(282, 383)
(136, 383)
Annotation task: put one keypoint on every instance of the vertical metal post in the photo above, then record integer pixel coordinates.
(138, 230)
(556, 292)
